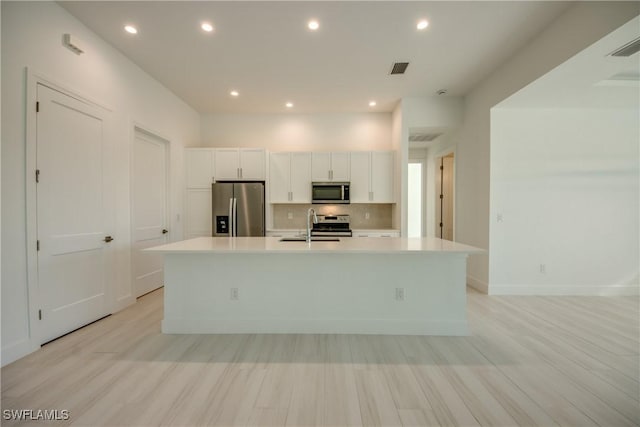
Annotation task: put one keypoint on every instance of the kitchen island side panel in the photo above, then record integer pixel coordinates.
(353, 293)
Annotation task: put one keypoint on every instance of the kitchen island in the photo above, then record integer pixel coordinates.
(356, 285)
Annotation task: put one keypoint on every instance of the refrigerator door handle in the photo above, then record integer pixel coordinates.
(230, 225)
(235, 214)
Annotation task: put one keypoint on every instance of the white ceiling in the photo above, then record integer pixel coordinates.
(265, 51)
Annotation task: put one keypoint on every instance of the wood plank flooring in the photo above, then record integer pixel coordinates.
(529, 361)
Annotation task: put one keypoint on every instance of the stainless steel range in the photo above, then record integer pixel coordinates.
(332, 226)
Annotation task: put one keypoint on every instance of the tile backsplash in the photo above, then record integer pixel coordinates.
(294, 216)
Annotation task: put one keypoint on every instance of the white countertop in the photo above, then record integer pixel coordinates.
(254, 245)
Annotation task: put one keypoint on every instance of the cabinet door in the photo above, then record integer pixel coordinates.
(227, 161)
(279, 174)
(360, 177)
(321, 167)
(199, 167)
(252, 164)
(382, 176)
(198, 222)
(340, 167)
(301, 177)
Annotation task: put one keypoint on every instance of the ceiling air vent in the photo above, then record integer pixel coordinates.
(399, 67)
(628, 49)
(423, 137)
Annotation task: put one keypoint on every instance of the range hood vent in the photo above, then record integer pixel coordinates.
(399, 67)
(628, 49)
(423, 137)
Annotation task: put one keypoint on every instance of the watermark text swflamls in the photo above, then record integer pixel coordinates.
(35, 414)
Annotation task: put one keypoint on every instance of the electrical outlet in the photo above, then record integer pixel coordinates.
(543, 269)
(366, 215)
(289, 215)
(399, 294)
(234, 294)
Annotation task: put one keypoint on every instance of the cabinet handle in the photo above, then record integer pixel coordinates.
(240, 172)
(165, 231)
(108, 239)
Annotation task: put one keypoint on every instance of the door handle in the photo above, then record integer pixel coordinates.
(108, 239)
(165, 231)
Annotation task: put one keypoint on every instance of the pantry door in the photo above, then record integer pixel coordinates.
(71, 213)
(149, 209)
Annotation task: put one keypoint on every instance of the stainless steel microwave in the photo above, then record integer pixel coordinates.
(330, 192)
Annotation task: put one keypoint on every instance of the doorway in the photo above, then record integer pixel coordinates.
(71, 213)
(415, 202)
(149, 204)
(445, 197)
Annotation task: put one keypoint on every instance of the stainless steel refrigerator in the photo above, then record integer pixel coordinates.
(238, 209)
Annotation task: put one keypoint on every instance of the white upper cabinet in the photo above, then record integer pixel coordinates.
(300, 177)
(199, 165)
(330, 166)
(279, 177)
(372, 177)
(240, 163)
(382, 163)
(290, 177)
(252, 164)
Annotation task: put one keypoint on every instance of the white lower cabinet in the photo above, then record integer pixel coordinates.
(376, 233)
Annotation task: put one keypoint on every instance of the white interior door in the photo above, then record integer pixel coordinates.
(71, 213)
(149, 206)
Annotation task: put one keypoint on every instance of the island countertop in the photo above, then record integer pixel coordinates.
(261, 245)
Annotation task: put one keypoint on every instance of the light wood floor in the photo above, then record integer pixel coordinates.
(571, 361)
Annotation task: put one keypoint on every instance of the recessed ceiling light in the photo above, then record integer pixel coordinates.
(289, 104)
(422, 24)
(372, 103)
(131, 29)
(313, 25)
(206, 27)
(234, 93)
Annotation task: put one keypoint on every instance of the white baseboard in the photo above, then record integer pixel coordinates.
(17, 350)
(565, 290)
(314, 326)
(478, 284)
(123, 302)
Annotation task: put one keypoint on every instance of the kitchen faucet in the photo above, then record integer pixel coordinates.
(315, 221)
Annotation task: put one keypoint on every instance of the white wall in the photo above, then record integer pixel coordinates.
(299, 132)
(565, 182)
(581, 25)
(32, 36)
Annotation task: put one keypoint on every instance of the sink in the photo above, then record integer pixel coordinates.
(313, 239)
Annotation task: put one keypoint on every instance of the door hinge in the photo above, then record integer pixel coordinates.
(37, 245)
(37, 175)
(37, 106)
(441, 168)
(39, 314)
(442, 196)
(441, 224)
